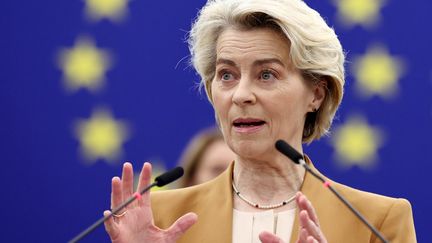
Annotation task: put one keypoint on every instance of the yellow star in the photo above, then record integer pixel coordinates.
(84, 65)
(363, 12)
(356, 142)
(377, 72)
(100, 136)
(112, 9)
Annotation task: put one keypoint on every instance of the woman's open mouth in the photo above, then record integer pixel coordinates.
(247, 125)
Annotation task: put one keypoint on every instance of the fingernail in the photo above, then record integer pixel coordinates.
(147, 164)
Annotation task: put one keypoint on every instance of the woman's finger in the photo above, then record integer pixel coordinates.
(307, 224)
(311, 228)
(127, 180)
(144, 181)
(180, 226)
(267, 237)
(310, 239)
(304, 204)
(110, 226)
(116, 192)
(303, 235)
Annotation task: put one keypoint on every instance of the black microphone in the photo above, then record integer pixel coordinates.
(169, 176)
(160, 181)
(297, 158)
(288, 151)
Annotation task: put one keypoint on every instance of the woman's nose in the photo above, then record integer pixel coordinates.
(243, 93)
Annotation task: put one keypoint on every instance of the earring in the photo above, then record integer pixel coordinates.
(315, 109)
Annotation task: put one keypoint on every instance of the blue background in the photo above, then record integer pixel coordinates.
(50, 194)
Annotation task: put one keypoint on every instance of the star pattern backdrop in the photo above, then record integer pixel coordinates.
(86, 85)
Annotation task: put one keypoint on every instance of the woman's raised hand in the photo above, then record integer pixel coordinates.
(135, 223)
(310, 231)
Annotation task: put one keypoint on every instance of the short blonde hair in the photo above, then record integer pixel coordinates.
(314, 47)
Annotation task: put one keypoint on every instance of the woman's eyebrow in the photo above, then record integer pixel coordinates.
(225, 61)
(261, 62)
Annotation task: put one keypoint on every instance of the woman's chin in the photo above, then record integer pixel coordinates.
(250, 149)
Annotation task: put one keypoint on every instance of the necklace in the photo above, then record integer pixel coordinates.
(256, 205)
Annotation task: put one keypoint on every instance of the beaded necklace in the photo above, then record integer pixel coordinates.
(256, 205)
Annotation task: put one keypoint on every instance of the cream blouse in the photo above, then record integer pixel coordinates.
(248, 225)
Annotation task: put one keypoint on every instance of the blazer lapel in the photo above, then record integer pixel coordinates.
(219, 208)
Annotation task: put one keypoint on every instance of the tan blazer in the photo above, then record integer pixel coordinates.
(213, 203)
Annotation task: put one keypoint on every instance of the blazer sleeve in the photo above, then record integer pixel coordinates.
(398, 224)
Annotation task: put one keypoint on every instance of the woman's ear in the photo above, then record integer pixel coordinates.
(319, 93)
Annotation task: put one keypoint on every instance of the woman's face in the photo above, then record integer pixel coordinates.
(257, 95)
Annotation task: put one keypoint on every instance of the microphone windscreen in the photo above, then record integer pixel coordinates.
(169, 176)
(288, 151)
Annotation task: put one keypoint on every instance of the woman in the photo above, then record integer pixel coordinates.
(206, 156)
(272, 70)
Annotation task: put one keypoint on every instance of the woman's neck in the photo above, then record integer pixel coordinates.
(266, 182)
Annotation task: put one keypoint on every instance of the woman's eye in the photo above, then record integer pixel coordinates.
(226, 76)
(267, 75)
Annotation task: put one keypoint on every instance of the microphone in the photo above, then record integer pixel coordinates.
(160, 181)
(297, 158)
(169, 176)
(289, 151)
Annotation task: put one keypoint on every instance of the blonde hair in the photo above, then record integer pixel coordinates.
(314, 47)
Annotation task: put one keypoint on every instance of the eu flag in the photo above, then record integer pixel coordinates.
(86, 85)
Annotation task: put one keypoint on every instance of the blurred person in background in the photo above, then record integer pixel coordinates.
(205, 157)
